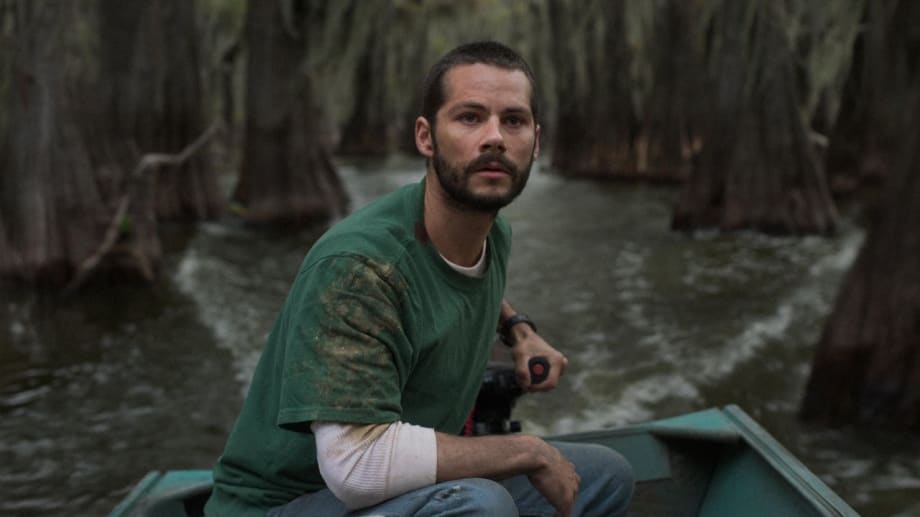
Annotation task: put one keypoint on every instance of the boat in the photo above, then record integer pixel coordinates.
(711, 463)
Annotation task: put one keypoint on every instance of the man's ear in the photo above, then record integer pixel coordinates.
(423, 137)
(536, 143)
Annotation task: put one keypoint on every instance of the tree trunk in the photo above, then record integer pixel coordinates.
(374, 126)
(871, 121)
(867, 365)
(596, 124)
(150, 73)
(757, 169)
(288, 176)
(669, 137)
(56, 187)
(416, 59)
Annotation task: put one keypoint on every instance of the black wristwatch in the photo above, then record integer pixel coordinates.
(505, 331)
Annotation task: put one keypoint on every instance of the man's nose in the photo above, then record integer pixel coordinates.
(492, 139)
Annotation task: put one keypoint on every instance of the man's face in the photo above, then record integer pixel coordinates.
(485, 139)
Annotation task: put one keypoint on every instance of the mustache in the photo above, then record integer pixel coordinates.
(483, 160)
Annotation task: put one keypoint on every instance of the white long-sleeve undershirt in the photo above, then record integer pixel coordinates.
(366, 464)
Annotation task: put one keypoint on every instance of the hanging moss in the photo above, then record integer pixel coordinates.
(393, 43)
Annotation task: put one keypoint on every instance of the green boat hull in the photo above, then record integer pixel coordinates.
(712, 463)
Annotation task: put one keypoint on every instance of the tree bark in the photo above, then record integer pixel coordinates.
(596, 124)
(150, 74)
(374, 125)
(415, 59)
(56, 183)
(867, 365)
(288, 176)
(669, 138)
(871, 121)
(757, 169)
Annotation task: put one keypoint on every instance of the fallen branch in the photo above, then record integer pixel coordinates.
(150, 161)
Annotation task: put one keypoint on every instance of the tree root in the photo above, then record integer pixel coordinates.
(148, 162)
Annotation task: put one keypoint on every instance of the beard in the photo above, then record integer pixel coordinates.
(454, 180)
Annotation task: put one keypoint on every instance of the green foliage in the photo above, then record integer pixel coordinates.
(224, 17)
(639, 20)
(125, 227)
(825, 34)
(220, 25)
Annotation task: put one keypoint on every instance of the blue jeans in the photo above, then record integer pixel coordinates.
(605, 490)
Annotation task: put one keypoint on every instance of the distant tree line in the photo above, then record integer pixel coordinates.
(118, 114)
(736, 99)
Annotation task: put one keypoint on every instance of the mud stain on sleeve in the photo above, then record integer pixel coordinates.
(360, 330)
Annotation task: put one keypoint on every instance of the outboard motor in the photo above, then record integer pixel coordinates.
(497, 395)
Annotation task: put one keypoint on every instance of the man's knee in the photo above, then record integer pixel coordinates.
(608, 465)
(618, 466)
(598, 461)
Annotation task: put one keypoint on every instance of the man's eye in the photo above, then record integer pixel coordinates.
(514, 121)
(469, 118)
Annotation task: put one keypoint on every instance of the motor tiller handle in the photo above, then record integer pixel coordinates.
(539, 369)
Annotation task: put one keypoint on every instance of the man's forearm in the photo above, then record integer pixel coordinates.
(503, 456)
(493, 457)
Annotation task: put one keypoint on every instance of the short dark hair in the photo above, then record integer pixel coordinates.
(479, 52)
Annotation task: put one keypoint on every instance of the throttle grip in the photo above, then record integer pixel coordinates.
(539, 369)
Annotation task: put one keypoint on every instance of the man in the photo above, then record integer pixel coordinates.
(376, 359)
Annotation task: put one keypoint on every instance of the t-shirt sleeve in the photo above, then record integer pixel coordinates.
(345, 345)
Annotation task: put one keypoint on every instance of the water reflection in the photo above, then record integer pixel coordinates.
(98, 389)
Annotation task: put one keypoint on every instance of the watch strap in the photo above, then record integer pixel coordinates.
(505, 330)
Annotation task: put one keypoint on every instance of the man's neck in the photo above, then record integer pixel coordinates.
(456, 232)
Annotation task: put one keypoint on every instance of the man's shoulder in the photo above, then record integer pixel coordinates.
(380, 231)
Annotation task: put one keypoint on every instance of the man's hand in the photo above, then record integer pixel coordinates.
(528, 344)
(504, 456)
(557, 481)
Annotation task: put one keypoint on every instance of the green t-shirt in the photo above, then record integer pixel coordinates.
(377, 328)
